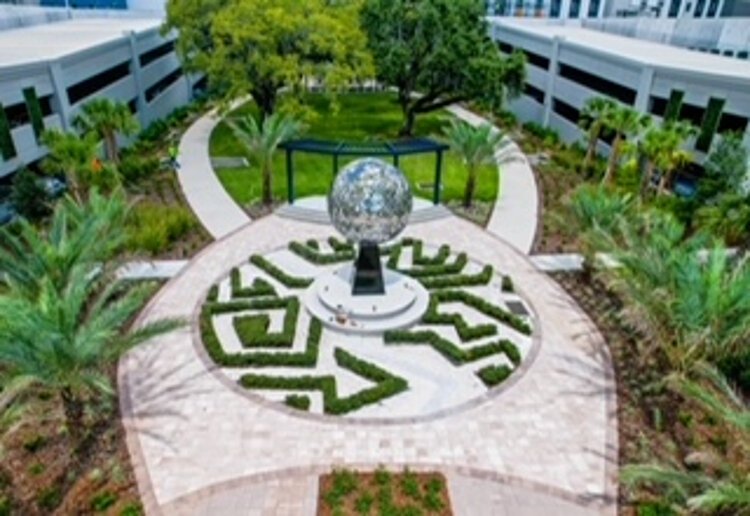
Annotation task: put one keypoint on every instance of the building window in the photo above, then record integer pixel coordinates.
(98, 82)
(533, 92)
(699, 6)
(692, 113)
(46, 104)
(566, 111)
(155, 53)
(536, 60)
(596, 83)
(713, 7)
(594, 8)
(674, 8)
(742, 54)
(658, 106)
(730, 123)
(575, 8)
(554, 8)
(162, 84)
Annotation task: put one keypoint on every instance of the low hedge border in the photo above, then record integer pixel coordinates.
(282, 277)
(507, 284)
(297, 401)
(419, 258)
(459, 280)
(259, 288)
(341, 246)
(318, 258)
(494, 375)
(455, 354)
(465, 331)
(444, 269)
(252, 330)
(308, 358)
(387, 385)
(487, 308)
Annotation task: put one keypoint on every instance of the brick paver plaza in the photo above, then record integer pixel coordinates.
(545, 442)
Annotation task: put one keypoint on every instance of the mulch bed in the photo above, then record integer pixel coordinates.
(381, 492)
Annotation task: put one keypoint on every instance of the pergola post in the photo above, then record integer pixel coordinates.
(289, 176)
(438, 187)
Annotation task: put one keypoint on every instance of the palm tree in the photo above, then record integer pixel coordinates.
(625, 122)
(106, 119)
(590, 211)
(89, 233)
(696, 490)
(477, 146)
(72, 155)
(62, 328)
(594, 114)
(689, 303)
(261, 141)
(673, 155)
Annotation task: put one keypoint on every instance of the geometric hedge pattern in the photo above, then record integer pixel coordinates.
(450, 277)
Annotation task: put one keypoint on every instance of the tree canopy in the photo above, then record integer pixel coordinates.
(261, 46)
(440, 49)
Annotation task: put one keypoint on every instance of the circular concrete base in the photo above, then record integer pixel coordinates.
(330, 299)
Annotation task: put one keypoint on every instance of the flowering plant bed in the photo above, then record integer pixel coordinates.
(346, 492)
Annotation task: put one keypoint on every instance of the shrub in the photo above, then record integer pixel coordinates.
(464, 330)
(259, 288)
(49, 498)
(458, 280)
(153, 227)
(485, 307)
(453, 353)
(252, 330)
(439, 270)
(363, 504)
(103, 501)
(507, 284)
(134, 167)
(313, 256)
(28, 196)
(298, 402)
(5, 506)
(155, 131)
(213, 294)
(419, 258)
(282, 277)
(340, 246)
(132, 509)
(494, 375)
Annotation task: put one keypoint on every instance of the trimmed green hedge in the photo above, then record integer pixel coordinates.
(454, 267)
(259, 288)
(308, 358)
(252, 330)
(213, 294)
(494, 375)
(444, 251)
(458, 280)
(487, 308)
(464, 330)
(387, 385)
(507, 284)
(299, 402)
(341, 246)
(455, 354)
(282, 277)
(313, 256)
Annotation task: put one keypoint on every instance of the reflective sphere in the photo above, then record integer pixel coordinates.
(370, 201)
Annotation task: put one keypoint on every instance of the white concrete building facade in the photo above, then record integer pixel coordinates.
(60, 66)
(568, 65)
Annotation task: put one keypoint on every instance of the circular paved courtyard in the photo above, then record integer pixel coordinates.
(198, 437)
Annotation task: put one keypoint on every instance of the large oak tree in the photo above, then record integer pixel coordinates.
(263, 46)
(438, 52)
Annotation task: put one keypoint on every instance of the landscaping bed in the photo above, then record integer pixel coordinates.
(408, 493)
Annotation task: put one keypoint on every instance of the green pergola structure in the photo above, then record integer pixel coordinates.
(337, 149)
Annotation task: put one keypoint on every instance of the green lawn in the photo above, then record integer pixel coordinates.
(360, 117)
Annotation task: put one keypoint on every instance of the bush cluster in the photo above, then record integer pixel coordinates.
(153, 227)
(494, 374)
(279, 275)
(485, 307)
(259, 288)
(252, 330)
(549, 136)
(386, 384)
(455, 354)
(458, 280)
(314, 256)
(134, 167)
(308, 358)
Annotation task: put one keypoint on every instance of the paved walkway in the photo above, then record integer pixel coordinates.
(514, 216)
(191, 431)
(213, 206)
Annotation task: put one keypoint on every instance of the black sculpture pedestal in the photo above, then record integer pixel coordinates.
(368, 274)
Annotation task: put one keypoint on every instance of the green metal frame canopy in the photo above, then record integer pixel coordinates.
(336, 149)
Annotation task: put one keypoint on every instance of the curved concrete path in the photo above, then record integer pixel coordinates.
(205, 194)
(513, 218)
(192, 432)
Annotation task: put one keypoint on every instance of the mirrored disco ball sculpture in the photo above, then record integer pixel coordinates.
(369, 203)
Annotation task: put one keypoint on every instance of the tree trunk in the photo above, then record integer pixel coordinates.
(648, 174)
(265, 97)
(614, 157)
(73, 408)
(409, 118)
(593, 138)
(471, 183)
(74, 185)
(267, 185)
(665, 181)
(112, 153)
